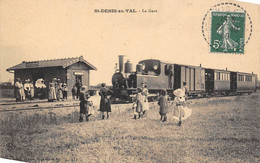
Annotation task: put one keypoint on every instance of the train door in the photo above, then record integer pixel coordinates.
(233, 81)
(192, 79)
(177, 77)
(169, 71)
(209, 80)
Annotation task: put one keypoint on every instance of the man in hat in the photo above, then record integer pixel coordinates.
(78, 85)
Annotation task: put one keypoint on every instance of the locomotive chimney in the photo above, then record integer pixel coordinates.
(121, 63)
(200, 65)
(226, 68)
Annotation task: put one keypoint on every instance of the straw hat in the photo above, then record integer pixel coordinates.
(84, 88)
(179, 93)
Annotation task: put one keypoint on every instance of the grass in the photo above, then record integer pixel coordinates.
(219, 130)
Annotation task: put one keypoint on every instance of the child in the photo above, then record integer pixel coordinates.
(179, 100)
(65, 91)
(85, 104)
(163, 103)
(138, 104)
(74, 91)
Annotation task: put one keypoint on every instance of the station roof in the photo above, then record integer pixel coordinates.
(63, 62)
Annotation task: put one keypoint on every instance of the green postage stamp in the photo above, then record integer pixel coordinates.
(227, 32)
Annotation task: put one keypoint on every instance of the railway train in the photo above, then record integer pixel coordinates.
(160, 75)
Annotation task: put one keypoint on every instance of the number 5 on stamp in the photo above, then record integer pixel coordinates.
(227, 32)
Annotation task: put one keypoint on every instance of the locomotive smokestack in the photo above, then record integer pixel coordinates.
(121, 63)
(200, 65)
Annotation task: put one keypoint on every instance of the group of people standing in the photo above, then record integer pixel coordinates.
(57, 90)
(180, 110)
(24, 91)
(140, 104)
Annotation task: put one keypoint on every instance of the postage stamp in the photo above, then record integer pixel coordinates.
(227, 28)
(227, 32)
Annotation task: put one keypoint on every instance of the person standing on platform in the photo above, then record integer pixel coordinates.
(18, 88)
(52, 91)
(78, 85)
(74, 91)
(65, 91)
(105, 105)
(59, 93)
(32, 90)
(27, 89)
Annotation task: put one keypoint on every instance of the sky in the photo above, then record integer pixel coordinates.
(32, 30)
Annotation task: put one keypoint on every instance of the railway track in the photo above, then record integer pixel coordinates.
(37, 105)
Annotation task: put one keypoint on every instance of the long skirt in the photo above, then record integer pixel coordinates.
(52, 94)
(145, 106)
(85, 108)
(105, 105)
(181, 112)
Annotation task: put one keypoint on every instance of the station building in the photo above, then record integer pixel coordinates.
(68, 70)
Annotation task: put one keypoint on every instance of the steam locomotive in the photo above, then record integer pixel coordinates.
(160, 75)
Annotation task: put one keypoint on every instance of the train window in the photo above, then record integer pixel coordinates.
(216, 76)
(241, 78)
(228, 77)
(143, 66)
(248, 78)
(219, 76)
(155, 65)
(225, 76)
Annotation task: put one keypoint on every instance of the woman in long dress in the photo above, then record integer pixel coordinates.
(105, 105)
(52, 91)
(145, 93)
(181, 111)
(19, 90)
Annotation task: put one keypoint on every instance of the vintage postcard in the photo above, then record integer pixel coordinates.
(129, 81)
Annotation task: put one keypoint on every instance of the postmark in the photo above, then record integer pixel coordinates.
(227, 28)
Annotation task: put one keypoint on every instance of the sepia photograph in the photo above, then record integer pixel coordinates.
(129, 81)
